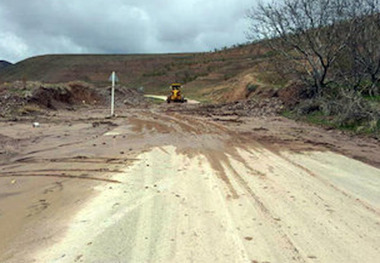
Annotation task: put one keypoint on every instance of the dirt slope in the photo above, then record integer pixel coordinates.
(154, 72)
(158, 186)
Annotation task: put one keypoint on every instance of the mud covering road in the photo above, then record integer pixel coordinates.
(157, 186)
(158, 97)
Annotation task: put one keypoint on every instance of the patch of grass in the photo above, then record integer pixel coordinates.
(163, 90)
(200, 98)
(319, 119)
(372, 98)
(316, 117)
(252, 87)
(155, 100)
(29, 109)
(288, 114)
(227, 76)
(273, 79)
(155, 73)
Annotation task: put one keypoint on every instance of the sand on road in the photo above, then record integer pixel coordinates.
(195, 191)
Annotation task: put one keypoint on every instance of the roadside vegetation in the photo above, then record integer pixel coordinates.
(332, 47)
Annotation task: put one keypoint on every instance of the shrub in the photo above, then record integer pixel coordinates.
(343, 108)
(307, 107)
(349, 108)
(227, 76)
(251, 87)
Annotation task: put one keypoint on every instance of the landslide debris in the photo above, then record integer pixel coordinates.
(251, 107)
(126, 97)
(60, 95)
(33, 98)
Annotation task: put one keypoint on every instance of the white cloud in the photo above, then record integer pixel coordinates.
(119, 26)
(12, 46)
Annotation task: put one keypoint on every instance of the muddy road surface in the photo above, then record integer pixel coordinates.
(159, 186)
(160, 97)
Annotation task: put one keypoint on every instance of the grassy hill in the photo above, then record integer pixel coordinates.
(206, 75)
(4, 64)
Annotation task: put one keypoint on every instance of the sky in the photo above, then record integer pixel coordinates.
(37, 27)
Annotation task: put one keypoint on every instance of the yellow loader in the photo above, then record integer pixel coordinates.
(176, 95)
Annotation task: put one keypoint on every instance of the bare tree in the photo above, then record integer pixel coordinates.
(311, 34)
(364, 48)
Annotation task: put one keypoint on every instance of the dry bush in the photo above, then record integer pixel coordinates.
(349, 108)
(342, 108)
(307, 107)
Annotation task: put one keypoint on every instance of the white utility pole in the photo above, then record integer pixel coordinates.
(113, 94)
(114, 79)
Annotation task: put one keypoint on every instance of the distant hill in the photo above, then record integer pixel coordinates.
(4, 64)
(209, 71)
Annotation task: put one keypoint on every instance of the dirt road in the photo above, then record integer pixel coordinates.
(159, 97)
(163, 187)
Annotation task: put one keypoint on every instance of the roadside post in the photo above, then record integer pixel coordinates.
(113, 78)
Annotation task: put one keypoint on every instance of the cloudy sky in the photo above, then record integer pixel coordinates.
(35, 27)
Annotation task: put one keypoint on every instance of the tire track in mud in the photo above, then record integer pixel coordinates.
(217, 160)
(142, 125)
(277, 152)
(68, 172)
(220, 163)
(331, 212)
(77, 159)
(83, 177)
(54, 148)
(101, 170)
(239, 140)
(336, 188)
(183, 123)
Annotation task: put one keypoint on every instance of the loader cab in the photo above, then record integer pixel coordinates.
(175, 86)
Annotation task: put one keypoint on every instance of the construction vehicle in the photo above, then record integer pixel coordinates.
(175, 95)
